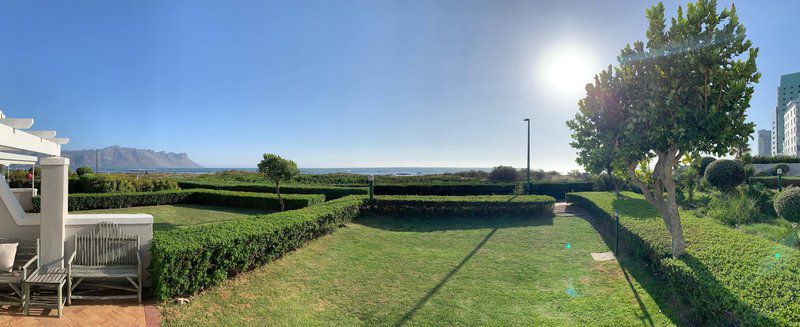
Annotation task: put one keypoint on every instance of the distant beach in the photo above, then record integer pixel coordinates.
(394, 171)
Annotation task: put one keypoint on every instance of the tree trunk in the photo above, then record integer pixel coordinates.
(615, 185)
(662, 196)
(678, 244)
(280, 198)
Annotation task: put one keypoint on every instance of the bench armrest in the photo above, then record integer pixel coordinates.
(27, 265)
(71, 258)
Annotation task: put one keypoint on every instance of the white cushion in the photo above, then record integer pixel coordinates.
(8, 252)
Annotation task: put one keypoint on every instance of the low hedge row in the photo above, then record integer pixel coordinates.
(554, 189)
(191, 259)
(772, 181)
(731, 278)
(460, 205)
(330, 192)
(89, 201)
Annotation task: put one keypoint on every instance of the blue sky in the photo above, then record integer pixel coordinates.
(332, 83)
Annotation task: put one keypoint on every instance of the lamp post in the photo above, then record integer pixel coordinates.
(528, 184)
(780, 172)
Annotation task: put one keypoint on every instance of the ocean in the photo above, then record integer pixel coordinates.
(394, 171)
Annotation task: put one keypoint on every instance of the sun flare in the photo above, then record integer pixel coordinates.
(567, 70)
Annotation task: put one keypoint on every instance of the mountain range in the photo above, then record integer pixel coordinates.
(128, 158)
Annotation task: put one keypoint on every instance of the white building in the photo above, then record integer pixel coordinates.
(791, 139)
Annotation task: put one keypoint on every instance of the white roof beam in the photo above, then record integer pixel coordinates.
(43, 134)
(60, 140)
(18, 123)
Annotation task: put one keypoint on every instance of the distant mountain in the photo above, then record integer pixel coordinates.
(129, 158)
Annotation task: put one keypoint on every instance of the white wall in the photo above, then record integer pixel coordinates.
(794, 168)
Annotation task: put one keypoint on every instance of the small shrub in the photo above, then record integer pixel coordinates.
(504, 174)
(725, 174)
(763, 197)
(704, 165)
(787, 204)
(84, 170)
(784, 169)
(734, 208)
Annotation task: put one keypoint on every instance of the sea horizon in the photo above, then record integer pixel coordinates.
(393, 171)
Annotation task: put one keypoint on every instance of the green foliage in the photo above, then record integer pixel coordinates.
(686, 90)
(84, 170)
(277, 169)
(734, 208)
(787, 204)
(763, 197)
(783, 167)
(191, 259)
(506, 174)
(90, 201)
(725, 174)
(95, 183)
(772, 181)
(463, 205)
(330, 192)
(704, 162)
(554, 189)
(775, 159)
(730, 278)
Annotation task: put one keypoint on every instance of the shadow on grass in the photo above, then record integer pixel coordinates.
(436, 288)
(421, 223)
(672, 306)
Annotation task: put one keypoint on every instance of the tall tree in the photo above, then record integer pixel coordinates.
(684, 91)
(278, 169)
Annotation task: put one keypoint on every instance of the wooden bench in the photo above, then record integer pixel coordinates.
(27, 255)
(101, 254)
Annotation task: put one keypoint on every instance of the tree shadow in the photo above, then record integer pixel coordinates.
(444, 281)
(423, 223)
(674, 307)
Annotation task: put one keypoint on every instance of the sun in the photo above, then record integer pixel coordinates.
(567, 69)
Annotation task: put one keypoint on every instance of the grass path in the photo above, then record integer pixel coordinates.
(177, 215)
(443, 272)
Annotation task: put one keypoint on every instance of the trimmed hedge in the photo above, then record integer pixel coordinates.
(772, 181)
(731, 278)
(89, 201)
(460, 205)
(191, 259)
(330, 192)
(94, 183)
(774, 159)
(556, 189)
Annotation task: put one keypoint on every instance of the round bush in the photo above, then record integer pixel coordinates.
(504, 174)
(83, 170)
(704, 164)
(784, 169)
(725, 174)
(787, 204)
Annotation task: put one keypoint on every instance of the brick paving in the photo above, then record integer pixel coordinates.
(85, 313)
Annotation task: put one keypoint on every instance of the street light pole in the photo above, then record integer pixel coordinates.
(528, 184)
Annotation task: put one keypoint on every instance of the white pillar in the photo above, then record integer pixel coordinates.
(55, 171)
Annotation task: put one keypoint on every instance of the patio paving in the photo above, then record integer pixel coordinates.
(85, 313)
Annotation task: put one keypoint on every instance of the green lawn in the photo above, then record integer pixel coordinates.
(457, 271)
(174, 216)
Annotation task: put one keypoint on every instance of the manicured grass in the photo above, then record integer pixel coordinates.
(178, 215)
(777, 230)
(401, 270)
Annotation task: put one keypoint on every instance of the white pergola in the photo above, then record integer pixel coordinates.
(53, 225)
